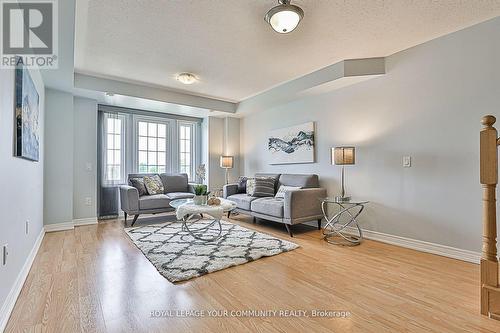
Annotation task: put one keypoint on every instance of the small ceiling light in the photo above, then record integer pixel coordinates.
(187, 78)
(285, 17)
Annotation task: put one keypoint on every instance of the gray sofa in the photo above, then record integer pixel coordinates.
(297, 207)
(176, 187)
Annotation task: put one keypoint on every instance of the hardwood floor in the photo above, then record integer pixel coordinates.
(94, 279)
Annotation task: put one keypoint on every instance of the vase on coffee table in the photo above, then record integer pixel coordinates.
(200, 200)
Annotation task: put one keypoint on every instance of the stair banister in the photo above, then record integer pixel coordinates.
(490, 300)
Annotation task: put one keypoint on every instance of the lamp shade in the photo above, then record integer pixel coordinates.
(226, 162)
(343, 155)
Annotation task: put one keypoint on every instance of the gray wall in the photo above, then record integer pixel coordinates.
(429, 106)
(85, 158)
(58, 176)
(232, 145)
(215, 149)
(222, 138)
(21, 182)
(71, 147)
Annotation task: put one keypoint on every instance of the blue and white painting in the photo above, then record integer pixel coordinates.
(292, 144)
(27, 136)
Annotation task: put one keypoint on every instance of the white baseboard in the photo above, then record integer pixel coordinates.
(59, 226)
(11, 299)
(85, 221)
(70, 225)
(414, 244)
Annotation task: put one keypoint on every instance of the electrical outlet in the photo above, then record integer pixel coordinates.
(406, 161)
(27, 227)
(88, 201)
(5, 253)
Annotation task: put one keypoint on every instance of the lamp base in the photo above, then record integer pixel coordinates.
(342, 199)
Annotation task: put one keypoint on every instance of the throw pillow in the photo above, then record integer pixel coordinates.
(138, 183)
(242, 185)
(264, 187)
(284, 188)
(153, 184)
(250, 186)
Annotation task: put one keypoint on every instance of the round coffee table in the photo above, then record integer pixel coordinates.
(189, 214)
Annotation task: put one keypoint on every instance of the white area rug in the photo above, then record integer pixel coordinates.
(178, 256)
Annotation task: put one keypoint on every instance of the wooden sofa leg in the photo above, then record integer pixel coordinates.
(319, 224)
(254, 220)
(228, 214)
(134, 220)
(125, 214)
(289, 229)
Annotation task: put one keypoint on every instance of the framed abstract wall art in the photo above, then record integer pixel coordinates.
(292, 144)
(27, 113)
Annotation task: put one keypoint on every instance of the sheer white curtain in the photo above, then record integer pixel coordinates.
(112, 166)
(113, 149)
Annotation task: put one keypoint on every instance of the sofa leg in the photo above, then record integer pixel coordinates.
(125, 214)
(134, 220)
(319, 224)
(228, 214)
(289, 229)
(254, 220)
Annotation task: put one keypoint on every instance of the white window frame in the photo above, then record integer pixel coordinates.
(194, 137)
(123, 118)
(170, 163)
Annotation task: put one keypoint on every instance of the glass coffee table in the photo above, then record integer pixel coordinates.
(189, 214)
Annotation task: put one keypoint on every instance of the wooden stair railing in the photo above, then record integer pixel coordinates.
(490, 291)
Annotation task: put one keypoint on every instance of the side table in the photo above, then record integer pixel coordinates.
(335, 228)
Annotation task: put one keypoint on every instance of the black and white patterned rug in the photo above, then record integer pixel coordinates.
(178, 256)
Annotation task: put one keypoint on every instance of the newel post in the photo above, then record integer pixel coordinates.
(489, 180)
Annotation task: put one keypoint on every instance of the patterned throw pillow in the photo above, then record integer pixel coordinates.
(283, 189)
(264, 187)
(250, 186)
(242, 185)
(138, 183)
(153, 184)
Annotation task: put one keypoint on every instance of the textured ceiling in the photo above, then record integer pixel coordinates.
(235, 53)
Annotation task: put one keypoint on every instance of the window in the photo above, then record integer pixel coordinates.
(145, 143)
(114, 166)
(186, 151)
(152, 147)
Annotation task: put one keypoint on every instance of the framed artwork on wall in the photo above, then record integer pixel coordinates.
(27, 113)
(291, 145)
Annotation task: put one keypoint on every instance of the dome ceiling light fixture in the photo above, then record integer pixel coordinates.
(284, 18)
(186, 78)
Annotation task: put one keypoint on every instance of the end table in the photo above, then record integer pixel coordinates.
(335, 228)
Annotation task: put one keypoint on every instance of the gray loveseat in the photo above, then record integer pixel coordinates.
(176, 187)
(298, 206)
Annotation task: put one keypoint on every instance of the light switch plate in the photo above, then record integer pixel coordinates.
(407, 161)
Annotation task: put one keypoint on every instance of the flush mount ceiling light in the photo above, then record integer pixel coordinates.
(285, 17)
(186, 78)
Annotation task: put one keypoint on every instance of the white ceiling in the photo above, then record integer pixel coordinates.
(235, 53)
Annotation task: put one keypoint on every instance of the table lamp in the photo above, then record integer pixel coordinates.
(226, 162)
(343, 156)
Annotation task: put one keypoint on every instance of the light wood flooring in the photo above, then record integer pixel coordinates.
(94, 279)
